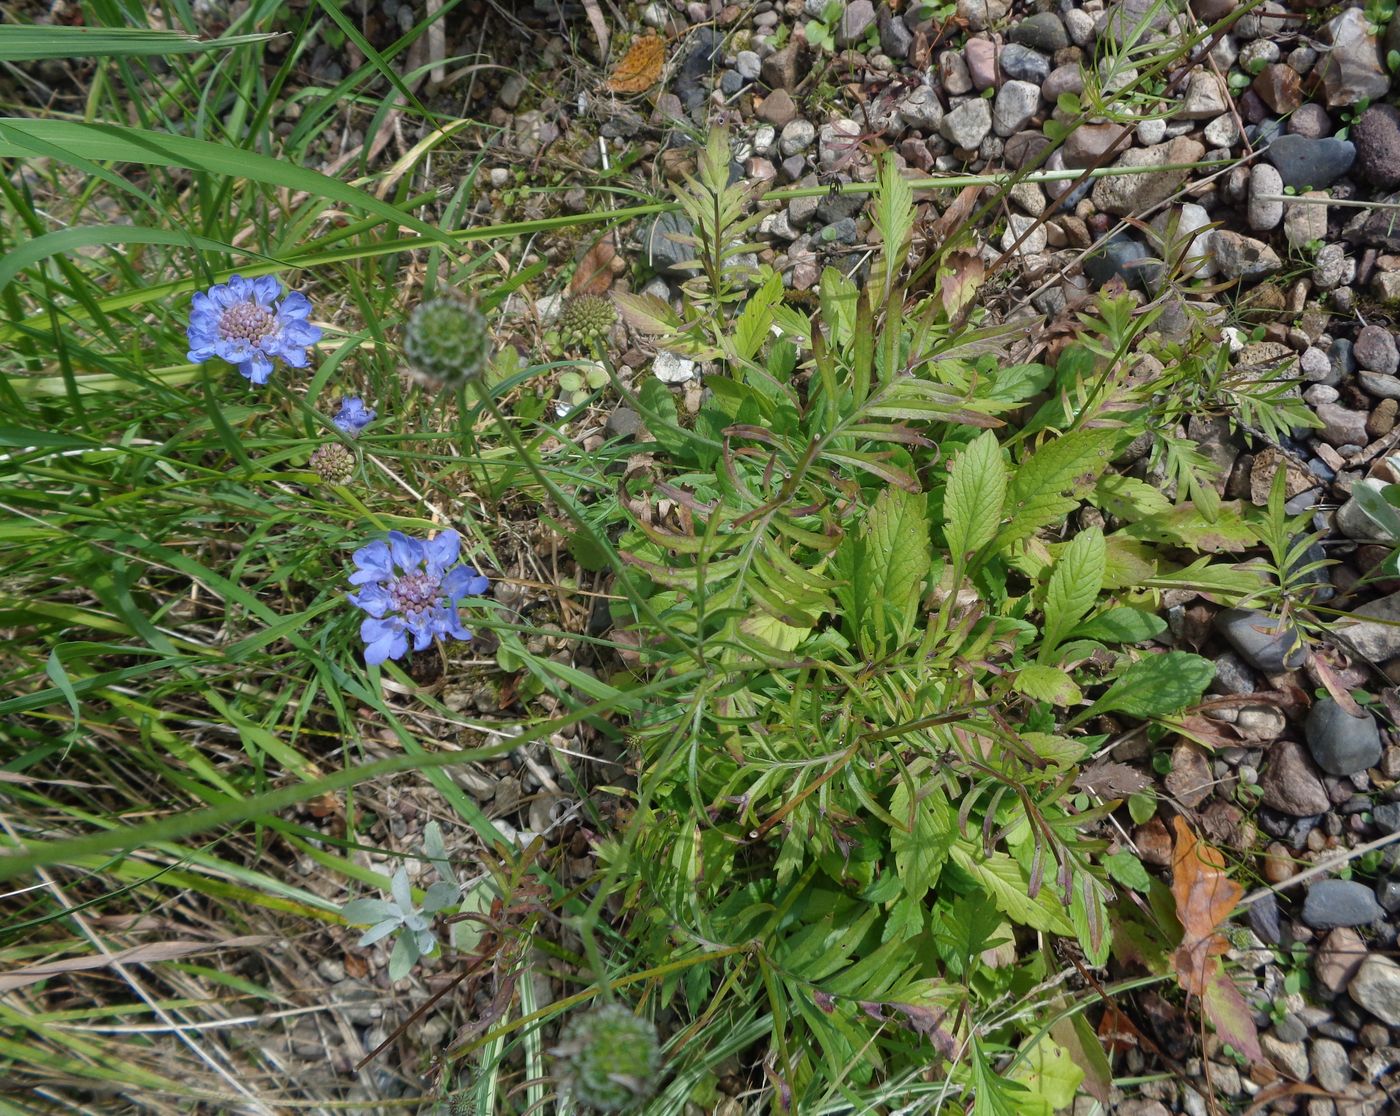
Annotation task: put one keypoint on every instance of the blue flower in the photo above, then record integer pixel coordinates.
(411, 588)
(353, 416)
(243, 322)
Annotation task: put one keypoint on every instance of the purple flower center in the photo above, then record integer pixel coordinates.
(415, 594)
(247, 321)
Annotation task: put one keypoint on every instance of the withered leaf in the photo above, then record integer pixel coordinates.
(640, 68)
(594, 274)
(1111, 780)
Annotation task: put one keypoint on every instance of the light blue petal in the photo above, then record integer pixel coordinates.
(373, 599)
(266, 288)
(407, 552)
(443, 550)
(373, 558)
(295, 305)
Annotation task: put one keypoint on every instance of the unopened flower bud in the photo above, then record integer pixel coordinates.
(611, 1058)
(446, 341)
(333, 463)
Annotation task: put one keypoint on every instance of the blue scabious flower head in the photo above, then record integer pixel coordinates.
(353, 416)
(411, 588)
(247, 323)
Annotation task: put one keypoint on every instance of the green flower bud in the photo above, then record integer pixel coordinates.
(446, 341)
(585, 317)
(333, 463)
(611, 1058)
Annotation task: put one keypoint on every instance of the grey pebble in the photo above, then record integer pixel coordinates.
(1333, 903)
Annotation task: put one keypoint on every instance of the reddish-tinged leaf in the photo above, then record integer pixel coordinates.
(594, 274)
(1117, 1032)
(1205, 897)
(1340, 693)
(960, 282)
(1225, 1007)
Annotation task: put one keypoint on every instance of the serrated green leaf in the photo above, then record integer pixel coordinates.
(1155, 686)
(894, 217)
(1129, 499)
(1121, 625)
(1225, 531)
(1068, 464)
(1006, 882)
(1073, 588)
(885, 566)
(1060, 751)
(993, 1095)
(1127, 870)
(1043, 682)
(754, 321)
(976, 494)
(920, 851)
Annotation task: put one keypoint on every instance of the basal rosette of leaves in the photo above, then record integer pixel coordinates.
(907, 642)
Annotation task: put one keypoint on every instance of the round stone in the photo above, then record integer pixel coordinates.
(1333, 903)
(1377, 138)
(1340, 743)
(1375, 350)
(1261, 640)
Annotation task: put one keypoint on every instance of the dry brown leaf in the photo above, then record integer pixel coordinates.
(957, 212)
(1111, 780)
(640, 67)
(1205, 897)
(963, 275)
(1340, 694)
(594, 274)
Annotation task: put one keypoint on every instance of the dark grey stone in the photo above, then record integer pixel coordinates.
(1023, 64)
(1043, 32)
(1333, 903)
(1343, 359)
(1233, 675)
(1124, 256)
(895, 36)
(1340, 743)
(1259, 640)
(1388, 895)
(1377, 139)
(1387, 816)
(1264, 919)
(663, 253)
(1310, 164)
